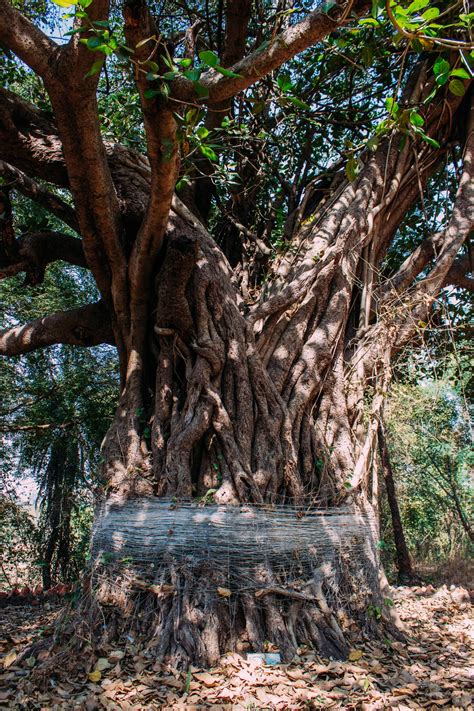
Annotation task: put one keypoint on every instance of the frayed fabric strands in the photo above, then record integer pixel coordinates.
(150, 533)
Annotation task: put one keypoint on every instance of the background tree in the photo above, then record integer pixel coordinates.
(256, 318)
(57, 405)
(430, 442)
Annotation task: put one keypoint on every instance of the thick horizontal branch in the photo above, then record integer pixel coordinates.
(86, 326)
(19, 181)
(29, 141)
(39, 249)
(35, 428)
(317, 25)
(34, 251)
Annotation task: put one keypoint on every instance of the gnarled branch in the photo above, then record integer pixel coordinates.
(38, 249)
(85, 326)
(265, 59)
(458, 275)
(38, 193)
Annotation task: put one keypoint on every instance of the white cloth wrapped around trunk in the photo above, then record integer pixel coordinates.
(149, 532)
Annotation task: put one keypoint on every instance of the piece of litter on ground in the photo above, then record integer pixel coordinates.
(270, 658)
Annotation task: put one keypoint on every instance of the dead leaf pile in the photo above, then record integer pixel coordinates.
(430, 670)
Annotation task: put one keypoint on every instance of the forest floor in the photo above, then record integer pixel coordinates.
(432, 669)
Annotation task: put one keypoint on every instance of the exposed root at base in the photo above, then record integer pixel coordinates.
(192, 614)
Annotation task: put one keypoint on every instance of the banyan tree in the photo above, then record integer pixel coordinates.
(271, 200)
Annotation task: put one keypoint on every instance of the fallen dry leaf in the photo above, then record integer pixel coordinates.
(224, 592)
(9, 659)
(161, 589)
(206, 678)
(101, 664)
(355, 655)
(429, 670)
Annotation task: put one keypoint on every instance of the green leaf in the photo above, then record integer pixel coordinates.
(367, 55)
(441, 66)
(417, 45)
(192, 116)
(430, 14)
(182, 182)
(257, 107)
(208, 152)
(427, 139)
(462, 73)
(298, 103)
(262, 47)
(392, 105)
(227, 72)
(64, 3)
(150, 93)
(187, 684)
(375, 9)
(185, 63)
(372, 143)
(75, 32)
(209, 58)
(416, 119)
(125, 51)
(456, 87)
(202, 132)
(169, 76)
(95, 68)
(193, 74)
(417, 5)
(284, 82)
(442, 78)
(201, 91)
(143, 42)
(94, 42)
(352, 169)
(151, 76)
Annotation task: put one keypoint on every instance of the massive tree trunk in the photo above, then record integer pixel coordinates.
(263, 412)
(275, 403)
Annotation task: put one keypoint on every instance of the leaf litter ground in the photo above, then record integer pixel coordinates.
(432, 669)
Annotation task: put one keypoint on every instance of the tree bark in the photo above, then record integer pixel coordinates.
(262, 404)
(405, 568)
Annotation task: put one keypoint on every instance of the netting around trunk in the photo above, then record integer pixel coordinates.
(237, 542)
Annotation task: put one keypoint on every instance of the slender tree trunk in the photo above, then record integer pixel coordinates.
(404, 565)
